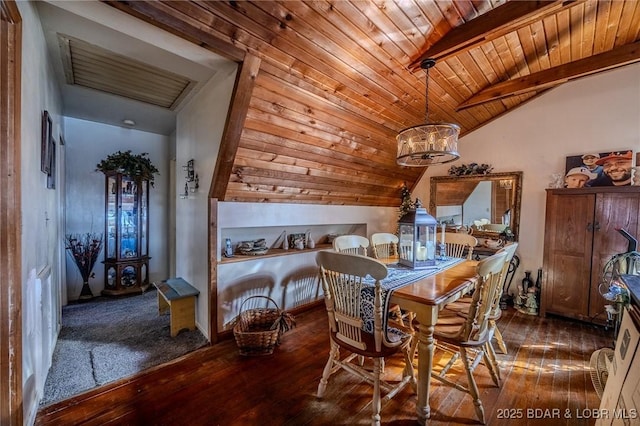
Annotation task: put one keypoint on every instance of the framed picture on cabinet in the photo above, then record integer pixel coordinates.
(609, 168)
(45, 144)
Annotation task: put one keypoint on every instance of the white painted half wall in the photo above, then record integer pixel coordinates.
(278, 277)
(199, 129)
(599, 113)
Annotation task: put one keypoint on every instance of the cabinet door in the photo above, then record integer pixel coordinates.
(567, 255)
(613, 211)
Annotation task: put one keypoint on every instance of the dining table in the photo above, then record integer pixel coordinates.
(425, 297)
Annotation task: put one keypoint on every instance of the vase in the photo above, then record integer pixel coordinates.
(526, 282)
(85, 293)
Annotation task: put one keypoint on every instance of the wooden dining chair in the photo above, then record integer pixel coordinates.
(346, 300)
(460, 244)
(461, 306)
(466, 337)
(385, 248)
(351, 244)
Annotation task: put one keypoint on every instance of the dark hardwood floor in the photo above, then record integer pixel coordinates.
(546, 381)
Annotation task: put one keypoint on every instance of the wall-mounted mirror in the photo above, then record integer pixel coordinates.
(492, 199)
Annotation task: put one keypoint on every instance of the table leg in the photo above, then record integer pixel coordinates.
(163, 305)
(427, 317)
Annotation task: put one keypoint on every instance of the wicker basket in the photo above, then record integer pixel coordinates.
(257, 331)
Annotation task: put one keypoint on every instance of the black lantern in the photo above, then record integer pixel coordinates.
(417, 246)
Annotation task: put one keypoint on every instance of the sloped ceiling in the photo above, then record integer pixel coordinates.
(332, 82)
(110, 66)
(90, 66)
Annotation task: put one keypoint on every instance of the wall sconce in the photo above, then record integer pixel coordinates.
(191, 183)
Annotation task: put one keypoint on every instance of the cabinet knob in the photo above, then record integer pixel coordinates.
(596, 226)
(590, 227)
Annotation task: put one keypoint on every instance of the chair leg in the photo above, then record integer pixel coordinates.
(410, 317)
(473, 387)
(408, 367)
(492, 354)
(489, 357)
(377, 372)
(334, 353)
(500, 340)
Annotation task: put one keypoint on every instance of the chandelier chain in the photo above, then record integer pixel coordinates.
(426, 102)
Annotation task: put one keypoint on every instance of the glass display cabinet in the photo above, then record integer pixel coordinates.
(126, 262)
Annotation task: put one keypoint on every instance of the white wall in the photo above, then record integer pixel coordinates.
(41, 244)
(199, 130)
(599, 113)
(87, 144)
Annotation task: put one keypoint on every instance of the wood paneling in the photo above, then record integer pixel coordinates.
(217, 386)
(11, 380)
(338, 80)
(454, 193)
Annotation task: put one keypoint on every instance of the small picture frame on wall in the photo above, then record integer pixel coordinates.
(51, 176)
(45, 144)
(608, 168)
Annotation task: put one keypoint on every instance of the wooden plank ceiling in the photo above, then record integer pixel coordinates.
(338, 79)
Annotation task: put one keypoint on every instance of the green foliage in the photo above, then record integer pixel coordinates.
(406, 204)
(470, 169)
(129, 164)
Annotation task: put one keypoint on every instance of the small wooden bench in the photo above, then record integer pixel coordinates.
(179, 298)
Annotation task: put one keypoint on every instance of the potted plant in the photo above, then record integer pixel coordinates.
(138, 165)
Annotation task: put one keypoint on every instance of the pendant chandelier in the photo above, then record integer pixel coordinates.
(429, 143)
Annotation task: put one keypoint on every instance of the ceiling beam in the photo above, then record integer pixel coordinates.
(162, 15)
(498, 22)
(240, 99)
(551, 77)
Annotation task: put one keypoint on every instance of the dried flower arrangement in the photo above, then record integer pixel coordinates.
(470, 169)
(129, 164)
(84, 250)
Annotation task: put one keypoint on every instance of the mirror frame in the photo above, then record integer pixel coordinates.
(517, 196)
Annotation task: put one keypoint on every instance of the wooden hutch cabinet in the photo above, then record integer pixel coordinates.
(126, 262)
(580, 237)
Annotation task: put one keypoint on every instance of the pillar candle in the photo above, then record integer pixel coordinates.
(443, 226)
(422, 253)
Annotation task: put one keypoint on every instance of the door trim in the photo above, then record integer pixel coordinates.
(10, 216)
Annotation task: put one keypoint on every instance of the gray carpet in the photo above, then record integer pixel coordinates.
(107, 339)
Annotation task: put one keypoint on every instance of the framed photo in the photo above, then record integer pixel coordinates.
(609, 168)
(45, 144)
(51, 176)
